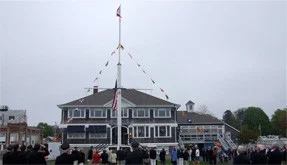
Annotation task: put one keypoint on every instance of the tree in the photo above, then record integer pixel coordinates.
(278, 122)
(247, 135)
(256, 119)
(239, 116)
(203, 109)
(47, 129)
(229, 118)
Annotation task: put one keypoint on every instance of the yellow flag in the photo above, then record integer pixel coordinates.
(121, 46)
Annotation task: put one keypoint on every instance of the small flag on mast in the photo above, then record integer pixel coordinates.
(69, 120)
(115, 101)
(119, 12)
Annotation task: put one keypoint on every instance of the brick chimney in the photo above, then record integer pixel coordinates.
(96, 90)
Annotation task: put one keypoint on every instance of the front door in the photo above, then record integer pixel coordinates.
(124, 135)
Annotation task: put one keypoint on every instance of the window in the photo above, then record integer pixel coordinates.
(11, 117)
(98, 113)
(125, 113)
(162, 113)
(141, 113)
(77, 113)
(98, 135)
(76, 135)
(0, 117)
(162, 131)
(141, 131)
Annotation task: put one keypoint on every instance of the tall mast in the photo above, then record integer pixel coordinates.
(119, 95)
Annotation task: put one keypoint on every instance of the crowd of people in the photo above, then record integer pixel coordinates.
(139, 155)
(25, 155)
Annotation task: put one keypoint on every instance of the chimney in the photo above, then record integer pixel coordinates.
(95, 89)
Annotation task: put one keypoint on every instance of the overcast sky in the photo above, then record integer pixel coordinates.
(225, 55)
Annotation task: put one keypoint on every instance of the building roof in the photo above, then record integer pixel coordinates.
(190, 102)
(132, 95)
(196, 118)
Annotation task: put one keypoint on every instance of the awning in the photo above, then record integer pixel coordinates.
(76, 128)
(97, 129)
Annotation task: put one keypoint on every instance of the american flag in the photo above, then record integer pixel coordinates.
(69, 119)
(115, 101)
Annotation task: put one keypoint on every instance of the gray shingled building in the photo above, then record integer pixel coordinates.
(148, 120)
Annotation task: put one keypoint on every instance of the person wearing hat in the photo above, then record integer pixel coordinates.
(135, 157)
(65, 157)
(7, 155)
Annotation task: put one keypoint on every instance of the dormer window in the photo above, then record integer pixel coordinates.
(11, 117)
(77, 113)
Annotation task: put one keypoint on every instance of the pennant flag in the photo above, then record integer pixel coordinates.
(198, 130)
(107, 63)
(130, 56)
(57, 139)
(100, 72)
(144, 71)
(96, 79)
(121, 46)
(69, 120)
(152, 81)
(115, 104)
(189, 121)
(183, 113)
(81, 100)
(138, 65)
(113, 53)
(162, 90)
(166, 96)
(119, 12)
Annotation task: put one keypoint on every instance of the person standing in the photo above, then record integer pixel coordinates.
(22, 156)
(105, 157)
(113, 157)
(136, 156)
(152, 156)
(197, 154)
(7, 155)
(174, 156)
(90, 155)
(259, 157)
(14, 155)
(284, 155)
(162, 156)
(38, 155)
(185, 157)
(241, 158)
(65, 157)
(96, 157)
(275, 156)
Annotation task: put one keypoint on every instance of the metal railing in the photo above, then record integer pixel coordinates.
(222, 141)
(230, 142)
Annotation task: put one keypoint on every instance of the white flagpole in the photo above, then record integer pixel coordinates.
(119, 95)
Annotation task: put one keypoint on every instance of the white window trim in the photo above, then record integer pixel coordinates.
(158, 132)
(123, 117)
(144, 113)
(97, 109)
(76, 137)
(97, 137)
(133, 128)
(165, 113)
(79, 109)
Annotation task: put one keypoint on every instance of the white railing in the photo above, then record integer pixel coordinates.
(229, 141)
(181, 144)
(222, 141)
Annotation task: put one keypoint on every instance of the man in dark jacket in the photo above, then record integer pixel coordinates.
(90, 155)
(259, 157)
(65, 157)
(105, 157)
(22, 156)
(120, 156)
(152, 156)
(38, 155)
(135, 157)
(241, 158)
(14, 155)
(7, 155)
(275, 156)
(162, 156)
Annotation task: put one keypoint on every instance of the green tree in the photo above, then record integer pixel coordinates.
(256, 119)
(229, 118)
(47, 129)
(239, 116)
(247, 135)
(278, 122)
